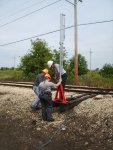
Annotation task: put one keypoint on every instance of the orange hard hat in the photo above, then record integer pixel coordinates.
(45, 71)
(47, 76)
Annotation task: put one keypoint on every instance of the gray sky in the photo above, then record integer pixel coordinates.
(14, 26)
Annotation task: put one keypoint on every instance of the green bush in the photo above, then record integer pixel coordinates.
(107, 71)
(93, 78)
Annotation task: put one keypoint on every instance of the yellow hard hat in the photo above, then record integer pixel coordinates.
(45, 71)
(47, 76)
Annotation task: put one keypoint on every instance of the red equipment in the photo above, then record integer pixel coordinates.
(60, 97)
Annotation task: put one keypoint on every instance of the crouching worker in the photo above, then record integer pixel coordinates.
(38, 80)
(45, 96)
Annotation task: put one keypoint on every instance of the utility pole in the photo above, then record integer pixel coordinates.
(90, 58)
(14, 62)
(75, 43)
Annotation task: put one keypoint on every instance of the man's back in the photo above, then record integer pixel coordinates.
(39, 79)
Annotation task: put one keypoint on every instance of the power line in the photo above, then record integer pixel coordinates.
(70, 2)
(30, 13)
(95, 22)
(84, 24)
(73, 3)
(30, 37)
(14, 8)
(20, 10)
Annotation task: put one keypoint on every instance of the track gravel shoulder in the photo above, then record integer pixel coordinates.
(89, 126)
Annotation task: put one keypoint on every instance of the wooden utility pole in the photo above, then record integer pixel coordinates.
(75, 43)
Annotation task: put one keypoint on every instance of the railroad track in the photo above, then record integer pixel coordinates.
(68, 88)
(74, 101)
(83, 91)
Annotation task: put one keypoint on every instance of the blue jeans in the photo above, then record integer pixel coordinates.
(36, 102)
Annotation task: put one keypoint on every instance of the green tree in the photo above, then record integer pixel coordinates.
(107, 70)
(56, 57)
(82, 67)
(36, 59)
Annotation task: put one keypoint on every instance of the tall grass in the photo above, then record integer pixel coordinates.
(13, 75)
(93, 78)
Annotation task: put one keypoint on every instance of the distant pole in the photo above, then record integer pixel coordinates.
(14, 62)
(90, 58)
(75, 43)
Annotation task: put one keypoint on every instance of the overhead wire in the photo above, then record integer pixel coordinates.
(36, 36)
(16, 8)
(105, 21)
(30, 13)
(20, 10)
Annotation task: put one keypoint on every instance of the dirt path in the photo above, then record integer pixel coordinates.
(88, 126)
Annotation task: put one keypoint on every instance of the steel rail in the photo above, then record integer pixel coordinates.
(71, 104)
(90, 88)
(79, 90)
(67, 86)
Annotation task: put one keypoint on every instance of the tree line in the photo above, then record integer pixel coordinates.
(37, 56)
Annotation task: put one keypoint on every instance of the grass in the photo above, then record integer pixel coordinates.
(90, 79)
(96, 80)
(13, 75)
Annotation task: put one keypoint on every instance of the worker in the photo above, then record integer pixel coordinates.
(56, 68)
(45, 96)
(38, 80)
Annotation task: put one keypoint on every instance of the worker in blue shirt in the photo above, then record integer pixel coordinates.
(38, 80)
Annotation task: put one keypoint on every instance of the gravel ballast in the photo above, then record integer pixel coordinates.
(88, 126)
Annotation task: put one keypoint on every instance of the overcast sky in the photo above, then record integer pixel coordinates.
(27, 18)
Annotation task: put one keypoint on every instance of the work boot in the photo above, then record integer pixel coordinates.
(49, 113)
(50, 120)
